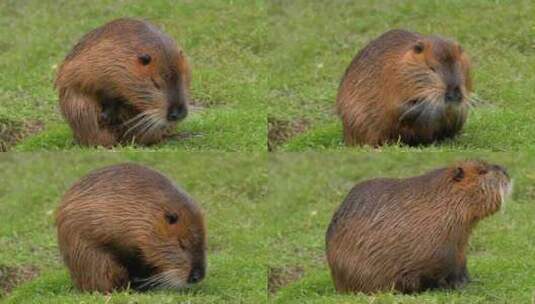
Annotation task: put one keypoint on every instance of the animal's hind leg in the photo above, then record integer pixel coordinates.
(82, 113)
(95, 269)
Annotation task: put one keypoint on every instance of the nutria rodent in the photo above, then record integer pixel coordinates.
(411, 234)
(407, 87)
(128, 225)
(123, 82)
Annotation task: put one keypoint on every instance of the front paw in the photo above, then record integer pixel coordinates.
(457, 281)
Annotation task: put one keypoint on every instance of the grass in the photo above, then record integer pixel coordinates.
(237, 247)
(224, 40)
(321, 38)
(306, 189)
(281, 61)
(259, 65)
(267, 217)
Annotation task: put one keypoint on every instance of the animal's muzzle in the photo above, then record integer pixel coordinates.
(177, 112)
(453, 94)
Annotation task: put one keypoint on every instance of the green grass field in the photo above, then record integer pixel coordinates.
(265, 77)
(321, 38)
(224, 40)
(306, 189)
(271, 60)
(237, 244)
(266, 217)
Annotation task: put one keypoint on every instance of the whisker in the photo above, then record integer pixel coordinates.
(150, 281)
(411, 109)
(140, 120)
(137, 125)
(133, 119)
(156, 125)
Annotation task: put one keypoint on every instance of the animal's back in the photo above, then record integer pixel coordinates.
(388, 44)
(121, 31)
(107, 202)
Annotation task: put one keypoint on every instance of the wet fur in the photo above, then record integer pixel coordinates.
(107, 96)
(112, 231)
(389, 93)
(410, 235)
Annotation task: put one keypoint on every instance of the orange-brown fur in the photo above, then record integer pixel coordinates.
(396, 88)
(128, 225)
(411, 234)
(121, 82)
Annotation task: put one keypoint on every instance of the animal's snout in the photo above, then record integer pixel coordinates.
(177, 112)
(196, 275)
(454, 94)
(500, 169)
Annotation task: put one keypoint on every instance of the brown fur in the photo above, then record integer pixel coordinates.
(396, 88)
(116, 229)
(411, 234)
(108, 95)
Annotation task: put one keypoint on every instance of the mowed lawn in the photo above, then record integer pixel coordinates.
(306, 189)
(316, 41)
(237, 246)
(225, 42)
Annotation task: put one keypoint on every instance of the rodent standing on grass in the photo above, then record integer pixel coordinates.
(411, 234)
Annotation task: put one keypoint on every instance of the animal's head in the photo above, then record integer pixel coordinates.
(435, 74)
(178, 253)
(481, 188)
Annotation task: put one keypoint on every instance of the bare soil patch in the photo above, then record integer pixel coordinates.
(12, 132)
(279, 277)
(13, 276)
(280, 131)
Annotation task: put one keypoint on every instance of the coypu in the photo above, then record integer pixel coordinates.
(411, 234)
(407, 87)
(128, 225)
(123, 82)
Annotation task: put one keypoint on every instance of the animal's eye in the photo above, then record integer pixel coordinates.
(181, 245)
(144, 59)
(432, 68)
(171, 217)
(458, 174)
(418, 47)
(156, 85)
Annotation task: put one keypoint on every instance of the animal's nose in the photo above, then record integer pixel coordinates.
(177, 112)
(196, 275)
(454, 94)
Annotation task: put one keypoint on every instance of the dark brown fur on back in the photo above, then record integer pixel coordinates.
(121, 82)
(404, 86)
(128, 225)
(411, 234)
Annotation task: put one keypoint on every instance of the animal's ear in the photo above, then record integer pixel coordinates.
(418, 47)
(458, 174)
(144, 59)
(171, 217)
